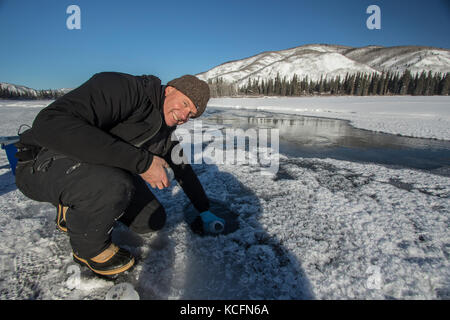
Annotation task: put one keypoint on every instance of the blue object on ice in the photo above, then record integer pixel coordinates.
(212, 223)
(7, 144)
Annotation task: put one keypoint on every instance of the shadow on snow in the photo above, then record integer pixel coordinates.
(244, 263)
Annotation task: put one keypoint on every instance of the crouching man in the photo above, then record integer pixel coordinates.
(91, 152)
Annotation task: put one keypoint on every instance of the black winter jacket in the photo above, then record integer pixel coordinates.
(114, 119)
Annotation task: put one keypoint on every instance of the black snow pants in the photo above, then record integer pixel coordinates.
(97, 196)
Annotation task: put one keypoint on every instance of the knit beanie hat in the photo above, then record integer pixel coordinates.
(195, 89)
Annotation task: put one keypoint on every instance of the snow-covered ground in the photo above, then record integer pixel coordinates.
(318, 228)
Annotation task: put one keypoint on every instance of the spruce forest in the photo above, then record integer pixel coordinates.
(360, 84)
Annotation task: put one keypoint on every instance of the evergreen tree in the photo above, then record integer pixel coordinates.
(387, 82)
(357, 85)
(305, 86)
(283, 87)
(396, 84)
(445, 85)
(404, 82)
(419, 89)
(365, 85)
(319, 85)
(351, 85)
(432, 84)
(427, 84)
(411, 85)
(380, 84)
(373, 84)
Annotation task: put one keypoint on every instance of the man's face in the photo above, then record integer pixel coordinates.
(178, 108)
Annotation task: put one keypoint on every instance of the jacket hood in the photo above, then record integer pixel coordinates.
(154, 90)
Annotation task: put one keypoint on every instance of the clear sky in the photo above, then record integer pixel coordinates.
(171, 38)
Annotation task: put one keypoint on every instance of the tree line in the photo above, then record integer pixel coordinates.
(359, 84)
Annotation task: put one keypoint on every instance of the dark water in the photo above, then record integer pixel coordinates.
(330, 138)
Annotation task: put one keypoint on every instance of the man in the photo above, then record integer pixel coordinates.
(91, 152)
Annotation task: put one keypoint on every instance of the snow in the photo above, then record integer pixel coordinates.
(331, 65)
(317, 229)
(122, 291)
(416, 62)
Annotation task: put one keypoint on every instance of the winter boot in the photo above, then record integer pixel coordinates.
(110, 262)
(61, 218)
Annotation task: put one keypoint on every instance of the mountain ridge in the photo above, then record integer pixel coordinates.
(9, 90)
(327, 60)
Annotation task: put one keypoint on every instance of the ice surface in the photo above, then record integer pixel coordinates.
(318, 229)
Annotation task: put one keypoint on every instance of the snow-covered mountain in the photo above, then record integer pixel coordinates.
(329, 61)
(15, 90)
(18, 90)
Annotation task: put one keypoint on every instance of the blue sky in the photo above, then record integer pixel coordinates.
(172, 38)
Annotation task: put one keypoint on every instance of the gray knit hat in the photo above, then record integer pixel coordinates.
(195, 89)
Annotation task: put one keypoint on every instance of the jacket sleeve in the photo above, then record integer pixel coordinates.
(188, 180)
(77, 124)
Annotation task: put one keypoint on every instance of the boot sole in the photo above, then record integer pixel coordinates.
(84, 262)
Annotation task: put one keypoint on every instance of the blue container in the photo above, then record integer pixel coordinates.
(11, 150)
(8, 145)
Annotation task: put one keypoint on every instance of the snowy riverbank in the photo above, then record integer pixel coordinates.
(424, 117)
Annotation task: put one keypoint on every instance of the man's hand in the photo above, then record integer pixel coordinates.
(156, 174)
